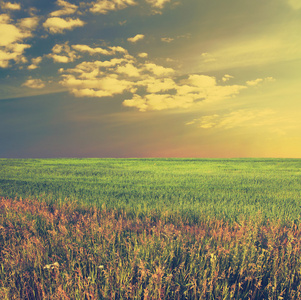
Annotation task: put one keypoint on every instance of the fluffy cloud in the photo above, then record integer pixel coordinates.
(143, 55)
(105, 86)
(168, 94)
(239, 118)
(10, 6)
(129, 69)
(99, 78)
(158, 3)
(87, 49)
(62, 53)
(158, 70)
(98, 50)
(59, 25)
(104, 6)
(159, 102)
(136, 38)
(12, 37)
(28, 23)
(153, 87)
(67, 9)
(34, 83)
(34, 63)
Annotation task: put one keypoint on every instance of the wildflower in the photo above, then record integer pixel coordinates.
(100, 267)
(47, 267)
(52, 266)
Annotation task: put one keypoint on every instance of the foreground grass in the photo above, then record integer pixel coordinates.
(72, 251)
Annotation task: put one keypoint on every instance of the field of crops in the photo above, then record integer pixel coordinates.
(150, 229)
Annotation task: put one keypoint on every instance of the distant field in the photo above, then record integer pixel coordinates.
(225, 188)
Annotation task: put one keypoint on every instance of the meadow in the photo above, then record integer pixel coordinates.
(150, 229)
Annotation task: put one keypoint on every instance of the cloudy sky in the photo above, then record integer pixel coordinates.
(150, 78)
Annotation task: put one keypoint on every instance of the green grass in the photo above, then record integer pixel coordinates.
(224, 188)
(150, 229)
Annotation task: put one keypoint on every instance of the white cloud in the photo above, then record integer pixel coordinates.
(62, 53)
(96, 87)
(12, 38)
(10, 6)
(136, 38)
(12, 52)
(154, 87)
(34, 63)
(34, 83)
(59, 25)
(98, 50)
(201, 81)
(29, 23)
(158, 70)
(85, 48)
(104, 6)
(10, 33)
(159, 102)
(128, 70)
(143, 55)
(67, 9)
(158, 3)
(167, 93)
(158, 85)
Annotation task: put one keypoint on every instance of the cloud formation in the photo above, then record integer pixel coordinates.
(98, 50)
(158, 3)
(62, 53)
(59, 25)
(66, 9)
(10, 6)
(153, 87)
(34, 63)
(136, 38)
(104, 6)
(12, 38)
(34, 83)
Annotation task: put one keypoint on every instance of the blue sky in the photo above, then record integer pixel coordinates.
(150, 78)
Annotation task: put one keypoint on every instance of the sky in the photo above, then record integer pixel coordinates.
(150, 78)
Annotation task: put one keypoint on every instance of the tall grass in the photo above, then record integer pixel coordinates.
(74, 251)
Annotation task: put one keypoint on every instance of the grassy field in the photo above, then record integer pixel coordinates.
(223, 188)
(150, 229)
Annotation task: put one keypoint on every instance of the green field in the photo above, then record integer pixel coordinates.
(150, 229)
(225, 188)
